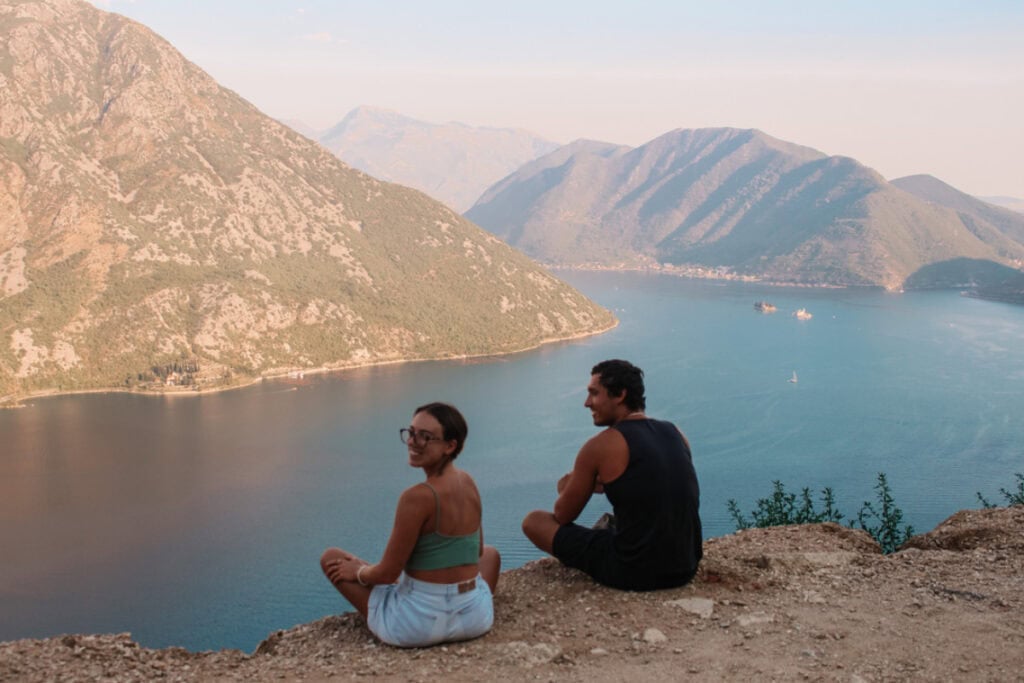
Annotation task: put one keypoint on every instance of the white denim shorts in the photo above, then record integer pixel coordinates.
(414, 613)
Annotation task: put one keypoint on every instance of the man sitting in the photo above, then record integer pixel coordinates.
(645, 468)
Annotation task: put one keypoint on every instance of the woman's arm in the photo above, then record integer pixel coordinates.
(414, 508)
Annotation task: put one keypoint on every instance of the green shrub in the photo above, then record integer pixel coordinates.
(883, 523)
(781, 508)
(882, 520)
(1011, 497)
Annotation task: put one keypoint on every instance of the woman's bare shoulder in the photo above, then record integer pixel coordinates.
(417, 496)
(466, 479)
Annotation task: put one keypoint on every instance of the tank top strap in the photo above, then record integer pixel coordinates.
(437, 507)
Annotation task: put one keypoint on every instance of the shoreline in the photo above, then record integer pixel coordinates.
(1002, 299)
(1014, 299)
(692, 275)
(16, 401)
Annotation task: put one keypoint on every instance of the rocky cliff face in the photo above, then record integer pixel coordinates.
(150, 217)
(816, 602)
(738, 199)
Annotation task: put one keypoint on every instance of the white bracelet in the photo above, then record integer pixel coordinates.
(359, 573)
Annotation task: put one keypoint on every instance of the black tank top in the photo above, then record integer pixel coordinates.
(656, 503)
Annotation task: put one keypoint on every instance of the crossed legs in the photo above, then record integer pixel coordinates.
(354, 592)
(359, 595)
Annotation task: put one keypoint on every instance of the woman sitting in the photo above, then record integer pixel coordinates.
(436, 579)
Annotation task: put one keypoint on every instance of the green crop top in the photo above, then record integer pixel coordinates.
(437, 551)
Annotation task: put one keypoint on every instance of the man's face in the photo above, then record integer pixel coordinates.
(604, 408)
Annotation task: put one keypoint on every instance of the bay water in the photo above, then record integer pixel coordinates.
(199, 521)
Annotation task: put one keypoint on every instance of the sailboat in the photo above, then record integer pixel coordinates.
(793, 379)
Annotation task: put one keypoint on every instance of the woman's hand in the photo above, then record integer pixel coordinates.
(344, 569)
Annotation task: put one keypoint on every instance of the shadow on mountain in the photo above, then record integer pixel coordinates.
(800, 205)
(960, 273)
(658, 195)
(979, 277)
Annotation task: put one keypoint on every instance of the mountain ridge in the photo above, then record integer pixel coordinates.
(152, 218)
(1012, 203)
(931, 189)
(731, 200)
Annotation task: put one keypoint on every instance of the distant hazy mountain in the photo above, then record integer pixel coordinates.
(1011, 203)
(736, 199)
(452, 162)
(301, 128)
(155, 225)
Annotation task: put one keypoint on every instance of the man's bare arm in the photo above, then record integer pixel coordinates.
(576, 487)
(598, 486)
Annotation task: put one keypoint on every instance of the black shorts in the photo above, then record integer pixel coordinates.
(592, 551)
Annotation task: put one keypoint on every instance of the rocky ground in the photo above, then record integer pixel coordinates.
(816, 602)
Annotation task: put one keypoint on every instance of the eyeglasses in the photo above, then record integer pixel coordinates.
(420, 438)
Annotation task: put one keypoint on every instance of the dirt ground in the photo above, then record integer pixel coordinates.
(816, 602)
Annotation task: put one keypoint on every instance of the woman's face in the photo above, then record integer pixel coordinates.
(427, 447)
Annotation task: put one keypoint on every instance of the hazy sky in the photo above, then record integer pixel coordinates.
(903, 86)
